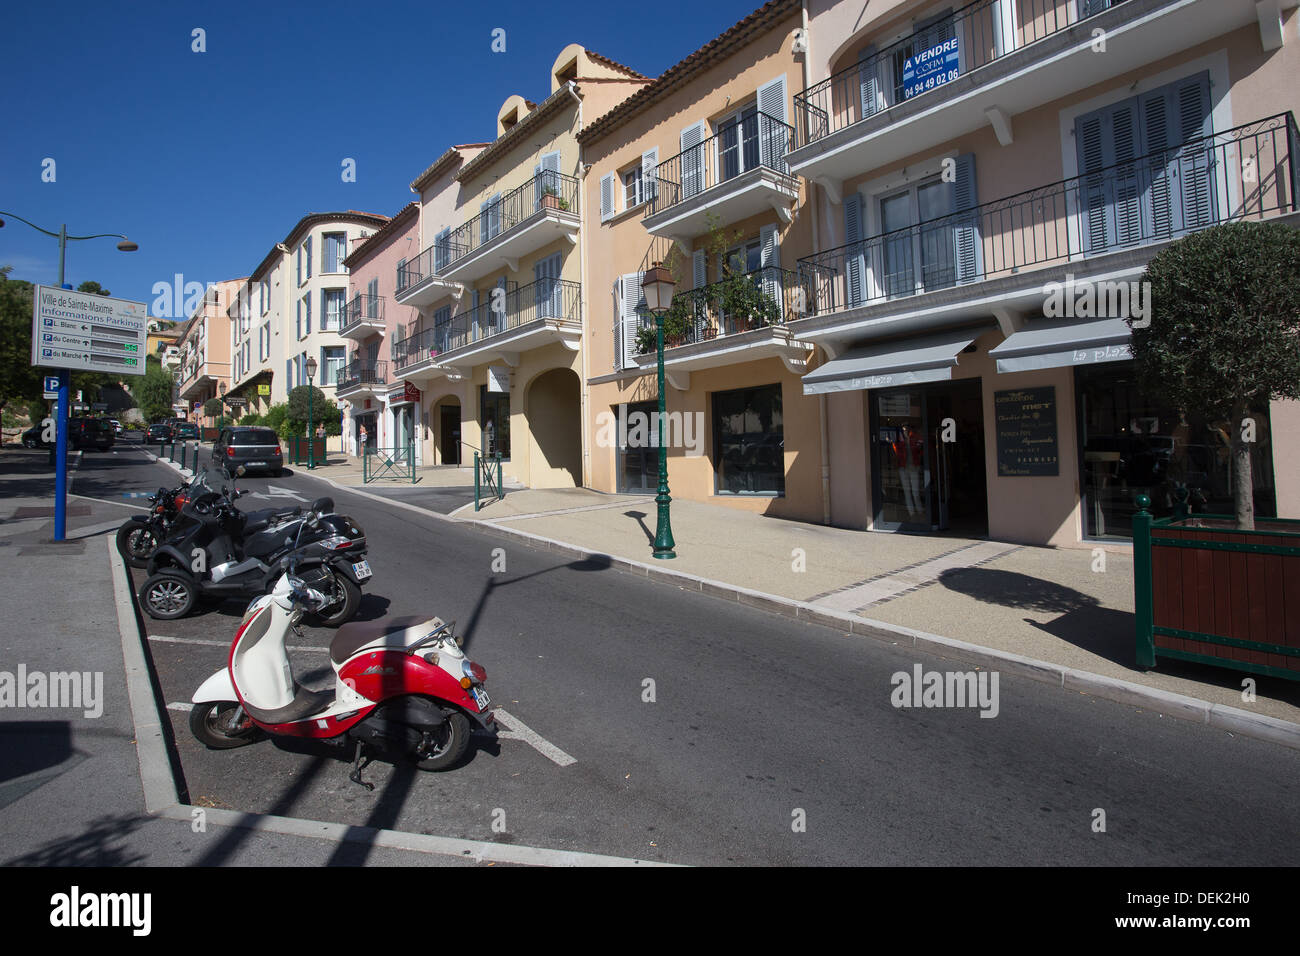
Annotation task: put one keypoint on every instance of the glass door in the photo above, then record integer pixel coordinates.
(917, 252)
(900, 461)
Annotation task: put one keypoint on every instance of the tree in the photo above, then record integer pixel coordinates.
(153, 391)
(214, 408)
(1224, 331)
(323, 411)
(20, 382)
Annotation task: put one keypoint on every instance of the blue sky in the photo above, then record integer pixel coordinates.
(207, 159)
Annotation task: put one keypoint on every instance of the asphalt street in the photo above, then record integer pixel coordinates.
(702, 731)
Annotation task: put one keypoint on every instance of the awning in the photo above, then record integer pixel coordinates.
(928, 358)
(1058, 343)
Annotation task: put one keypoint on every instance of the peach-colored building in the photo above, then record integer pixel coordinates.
(692, 172)
(204, 371)
(985, 183)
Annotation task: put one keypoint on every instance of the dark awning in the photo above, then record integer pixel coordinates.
(927, 358)
(1058, 343)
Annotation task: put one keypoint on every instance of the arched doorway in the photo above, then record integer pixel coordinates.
(554, 411)
(444, 422)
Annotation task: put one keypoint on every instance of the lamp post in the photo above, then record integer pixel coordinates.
(221, 415)
(311, 440)
(658, 286)
(65, 376)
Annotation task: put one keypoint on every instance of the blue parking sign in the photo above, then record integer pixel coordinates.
(51, 383)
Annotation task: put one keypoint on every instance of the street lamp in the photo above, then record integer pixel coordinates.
(221, 415)
(311, 447)
(65, 376)
(658, 287)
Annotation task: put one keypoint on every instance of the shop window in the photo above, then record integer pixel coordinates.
(749, 441)
(494, 422)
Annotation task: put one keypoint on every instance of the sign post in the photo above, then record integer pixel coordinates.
(94, 333)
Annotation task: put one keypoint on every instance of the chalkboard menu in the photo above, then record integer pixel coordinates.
(1026, 430)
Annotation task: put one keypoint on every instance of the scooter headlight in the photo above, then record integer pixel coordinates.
(473, 672)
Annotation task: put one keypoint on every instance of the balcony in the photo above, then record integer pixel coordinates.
(524, 220)
(540, 313)
(740, 319)
(363, 317)
(1104, 225)
(360, 379)
(898, 102)
(735, 173)
(420, 281)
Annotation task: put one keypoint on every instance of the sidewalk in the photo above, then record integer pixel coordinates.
(348, 472)
(1058, 606)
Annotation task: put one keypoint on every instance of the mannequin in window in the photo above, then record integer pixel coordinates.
(909, 454)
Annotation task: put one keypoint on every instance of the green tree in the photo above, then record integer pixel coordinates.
(20, 382)
(323, 411)
(1224, 331)
(153, 391)
(214, 408)
(275, 419)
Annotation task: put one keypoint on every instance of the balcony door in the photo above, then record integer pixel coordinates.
(915, 260)
(1144, 175)
(546, 285)
(738, 147)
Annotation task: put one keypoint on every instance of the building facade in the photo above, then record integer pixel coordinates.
(205, 369)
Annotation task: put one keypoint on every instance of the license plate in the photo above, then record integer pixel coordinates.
(481, 698)
(255, 464)
(362, 570)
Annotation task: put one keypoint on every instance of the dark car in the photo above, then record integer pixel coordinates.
(94, 433)
(159, 432)
(257, 449)
(186, 430)
(32, 437)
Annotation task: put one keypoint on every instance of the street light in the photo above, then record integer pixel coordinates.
(311, 447)
(221, 415)
(65, 376)
(658, 286)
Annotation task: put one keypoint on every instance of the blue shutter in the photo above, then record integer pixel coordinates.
(968, 253)
(868, 82)
(855, 265)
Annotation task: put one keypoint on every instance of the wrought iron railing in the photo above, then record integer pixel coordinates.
(547, 190)
(545, 298)
(740, 303)
(427, 264)
(359, 373)
(1248, 172)
(974, 35)
(363, 307)
(752, 140)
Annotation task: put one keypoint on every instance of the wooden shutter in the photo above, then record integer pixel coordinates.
(868, 82)
(692, 159)
(770, 262)
(606, 197)
(649, 174)
(548, 165)
(968, 253)
(631, 297)
(773, 136)
(699, 268)
(855, 264)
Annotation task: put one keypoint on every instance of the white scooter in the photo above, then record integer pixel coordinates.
(402, 686)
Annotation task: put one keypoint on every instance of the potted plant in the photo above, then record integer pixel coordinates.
(551, 199)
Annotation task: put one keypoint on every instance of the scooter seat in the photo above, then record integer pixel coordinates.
(305, 703)
(355, 635)
(255, 521)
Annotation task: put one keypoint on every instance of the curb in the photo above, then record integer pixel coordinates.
(162, 796)
(1231, 719)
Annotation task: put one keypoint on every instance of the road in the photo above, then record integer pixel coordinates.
(756, 722)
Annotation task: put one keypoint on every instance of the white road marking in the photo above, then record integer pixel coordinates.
(180, 705)
(226, 644)
(278, 492)
(521, 731)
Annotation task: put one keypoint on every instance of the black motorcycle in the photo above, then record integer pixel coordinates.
(220, 552)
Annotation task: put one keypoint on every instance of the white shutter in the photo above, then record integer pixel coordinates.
(770, 261)
(699, 266)
(633, 296)
(692, 159)
(649, 181)
(606, 197)
(550, 163)
(773, 136)
(618, 319)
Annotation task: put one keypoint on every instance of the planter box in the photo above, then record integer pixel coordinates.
(209, 434)
(297, 450)
(1206, 592)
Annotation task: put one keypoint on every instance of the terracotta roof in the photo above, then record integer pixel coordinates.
(407, 212)
(599, 58)
(422, 180)
(511, 137)
(758, 22)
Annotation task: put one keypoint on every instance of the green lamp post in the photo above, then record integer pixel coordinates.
(311, 440)
(658, 286)
(221, 415)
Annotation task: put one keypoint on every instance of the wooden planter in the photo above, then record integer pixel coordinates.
(1206, 592)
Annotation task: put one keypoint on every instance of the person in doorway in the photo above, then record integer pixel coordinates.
(489, 439)
(909, 453)
(361, 440)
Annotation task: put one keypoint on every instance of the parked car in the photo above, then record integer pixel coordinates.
(257, 449)
(184, 430)
(94, 433)
(159, 432)
(32, 437)
(117, 426)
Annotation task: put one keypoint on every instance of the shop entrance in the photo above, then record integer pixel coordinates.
(927, 459)
(449, 434)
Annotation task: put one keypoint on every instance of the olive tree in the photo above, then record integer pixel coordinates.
(1224, 331)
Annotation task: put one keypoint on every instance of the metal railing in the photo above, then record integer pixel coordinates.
(487, 479)
(1248, 172)
(752, 140)
(903, 70)
(545, 298)
(547, 190)
(740, 303)
(363, 307)
(397, 463)
(427, 264)
(359, 373)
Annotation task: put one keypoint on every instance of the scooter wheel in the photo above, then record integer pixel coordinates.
(208, 722)
(168, 595)
(135, 543)
(450, 741)
(347, 598)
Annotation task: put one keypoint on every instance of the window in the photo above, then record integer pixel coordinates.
(372, 304)
(632, 187)
(738, 143)
(932, 246)
(306, 312)
(333, 358)
(298, 320)
(266, 296)
(306, 256)
(441, 250)
(288, 375)
(334, 250)
(749, 441)
(494, 421)
(441, 319)
(332, 305)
